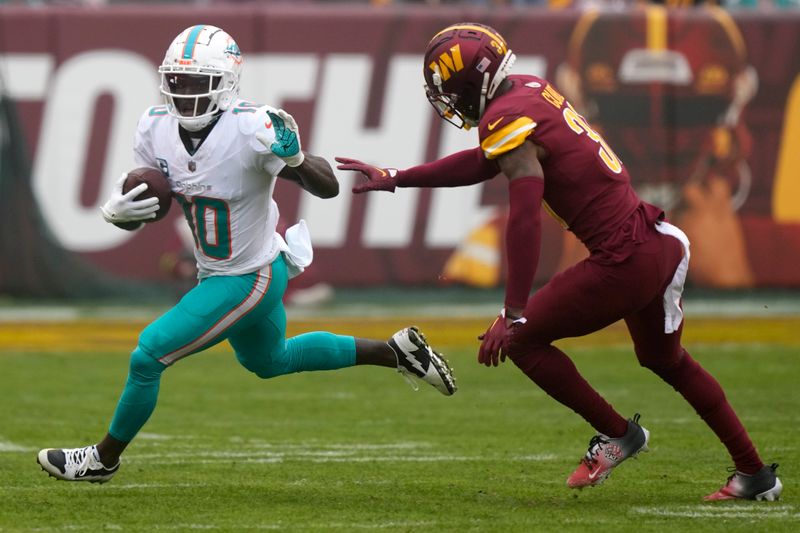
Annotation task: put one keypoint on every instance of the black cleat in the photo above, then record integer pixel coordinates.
(763, 485)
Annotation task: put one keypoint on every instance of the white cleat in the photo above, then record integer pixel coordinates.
(75, 464)
(416, 358)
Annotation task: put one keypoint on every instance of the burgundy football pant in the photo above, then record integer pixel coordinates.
(590, 296)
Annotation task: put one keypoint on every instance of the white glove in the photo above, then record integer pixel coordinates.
(287, 138)
(123, 208)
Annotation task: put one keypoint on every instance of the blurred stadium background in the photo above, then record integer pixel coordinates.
(701, 100)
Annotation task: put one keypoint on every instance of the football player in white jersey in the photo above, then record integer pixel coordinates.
(222, 157)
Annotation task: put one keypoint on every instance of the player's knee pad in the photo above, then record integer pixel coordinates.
(144, 366)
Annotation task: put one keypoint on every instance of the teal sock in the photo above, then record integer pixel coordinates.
(320, 350)
(138, 398)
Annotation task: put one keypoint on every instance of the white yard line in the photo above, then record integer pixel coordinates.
(755, 511)
(321, 457)
(109, 486)
(160, 436)
(313, 526)
(8, 446)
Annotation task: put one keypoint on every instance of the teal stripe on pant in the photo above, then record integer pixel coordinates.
(258, 339)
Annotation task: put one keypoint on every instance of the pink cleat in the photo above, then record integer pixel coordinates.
(605, 454)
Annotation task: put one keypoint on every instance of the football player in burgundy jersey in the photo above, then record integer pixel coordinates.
(635, 271)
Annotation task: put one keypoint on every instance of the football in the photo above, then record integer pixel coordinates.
(157, 185)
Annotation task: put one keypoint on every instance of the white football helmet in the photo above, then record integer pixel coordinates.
(200, 75)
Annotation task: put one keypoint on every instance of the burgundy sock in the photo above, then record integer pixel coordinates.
(555, 373)
(704, 393)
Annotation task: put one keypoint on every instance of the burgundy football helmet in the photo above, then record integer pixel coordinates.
(464, 66)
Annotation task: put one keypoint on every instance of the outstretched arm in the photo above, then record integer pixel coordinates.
(467, 167)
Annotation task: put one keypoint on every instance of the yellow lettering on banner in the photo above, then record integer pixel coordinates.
(656, 28)
(786, 188)
(579, 125)
(553, 96)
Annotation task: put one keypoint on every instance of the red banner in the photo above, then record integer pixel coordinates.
(704, 109)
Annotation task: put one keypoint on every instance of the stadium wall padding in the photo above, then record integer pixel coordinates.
(352, 77)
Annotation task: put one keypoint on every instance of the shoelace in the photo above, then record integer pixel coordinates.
(734, 472)
(595, 447)
(81, 458)
(408, 377)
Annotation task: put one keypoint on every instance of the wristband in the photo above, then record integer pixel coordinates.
(520, 320)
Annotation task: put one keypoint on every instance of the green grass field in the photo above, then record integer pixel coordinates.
(358, 450)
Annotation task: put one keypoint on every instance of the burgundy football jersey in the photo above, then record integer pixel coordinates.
(586, 186)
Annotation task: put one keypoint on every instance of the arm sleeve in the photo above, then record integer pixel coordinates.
(467, 167)
(523, 237)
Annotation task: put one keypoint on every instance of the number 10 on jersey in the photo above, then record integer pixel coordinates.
(210, 221)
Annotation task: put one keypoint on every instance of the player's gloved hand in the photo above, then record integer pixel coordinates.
(123, 208)
(378, 179)
(494, 343)
(287, 138)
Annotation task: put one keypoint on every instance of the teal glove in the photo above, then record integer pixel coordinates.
(287, 139)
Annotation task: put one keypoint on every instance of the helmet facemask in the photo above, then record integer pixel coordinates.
(447, 105)
(194, 97)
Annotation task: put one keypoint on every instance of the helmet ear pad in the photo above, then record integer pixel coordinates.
(225, 98)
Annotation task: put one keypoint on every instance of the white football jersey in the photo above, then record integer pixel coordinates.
(225, 187)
